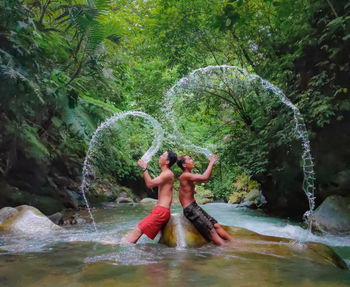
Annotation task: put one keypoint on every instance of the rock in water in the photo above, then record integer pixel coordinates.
(26, 220)
(333, 215)
(179, 229)
(124, 200)
(56, 218)
(148, 200)
(6, 213)
(253, 195)
(181, 232)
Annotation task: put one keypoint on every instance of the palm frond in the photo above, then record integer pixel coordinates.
(85, 18)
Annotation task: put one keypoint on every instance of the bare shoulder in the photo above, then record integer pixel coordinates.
(185, 176)
(168, 174)
(171, 174)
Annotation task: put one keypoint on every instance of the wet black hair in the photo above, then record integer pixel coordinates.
(172, 157)
(180, 161)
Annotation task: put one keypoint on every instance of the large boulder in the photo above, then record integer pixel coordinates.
(179, 232)
(6, 213)
(26, 220)
(333, 215)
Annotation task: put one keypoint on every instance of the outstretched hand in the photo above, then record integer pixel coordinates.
(142, 163)
(213, 159)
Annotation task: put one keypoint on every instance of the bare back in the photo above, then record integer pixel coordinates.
(186, 189)
(165, 188)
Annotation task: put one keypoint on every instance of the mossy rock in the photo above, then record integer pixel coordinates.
(180, 232)
(253, 195)
(333, 215)
(6, 213)
(26, 220)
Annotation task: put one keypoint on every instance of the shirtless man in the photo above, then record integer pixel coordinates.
(205, 224)
(160, 215)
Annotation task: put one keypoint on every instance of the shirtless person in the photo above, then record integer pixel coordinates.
(160, 215)
(205, 224)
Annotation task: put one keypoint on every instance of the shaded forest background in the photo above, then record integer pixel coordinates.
(65, 66)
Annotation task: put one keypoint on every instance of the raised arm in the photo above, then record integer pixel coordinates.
(148, 180)
(206, 175)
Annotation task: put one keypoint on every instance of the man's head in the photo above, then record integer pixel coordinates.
(168, 158)
(185, 162)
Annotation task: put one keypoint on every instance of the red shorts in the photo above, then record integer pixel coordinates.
(154, 222)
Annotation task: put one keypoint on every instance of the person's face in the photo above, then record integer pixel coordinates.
(189, 162)
(163, 159)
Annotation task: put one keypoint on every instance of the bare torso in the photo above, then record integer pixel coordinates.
(165, 190)
(186, 191)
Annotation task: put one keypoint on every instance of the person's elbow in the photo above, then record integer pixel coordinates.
(204, 178)
(150, 184)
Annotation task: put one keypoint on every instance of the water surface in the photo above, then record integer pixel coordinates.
(79, 257)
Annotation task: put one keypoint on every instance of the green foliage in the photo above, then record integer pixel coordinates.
(34, 147)
(89, 22)
(322, 90)
(222, 179)
(244, 183)
(302, 51)
(66, 65)
(46, 65)
(119, 149)
(241, 187)
(203, 195)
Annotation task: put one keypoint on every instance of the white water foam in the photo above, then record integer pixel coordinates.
(180, 235)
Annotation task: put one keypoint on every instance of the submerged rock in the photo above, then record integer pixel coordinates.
(124, 200)
(333, 215)
(74, 219)
(26, 220)
(148, 200)
(253, 199)
(179, 232)
(249, 204)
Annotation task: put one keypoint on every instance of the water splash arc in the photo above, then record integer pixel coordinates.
(201, 77)
(88, 168)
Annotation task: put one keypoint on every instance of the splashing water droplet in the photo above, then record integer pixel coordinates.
(223, 77)
(88, 168)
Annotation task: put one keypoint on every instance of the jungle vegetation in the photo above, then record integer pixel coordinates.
(66, 65)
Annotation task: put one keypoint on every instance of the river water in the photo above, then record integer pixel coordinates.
(80, 257)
